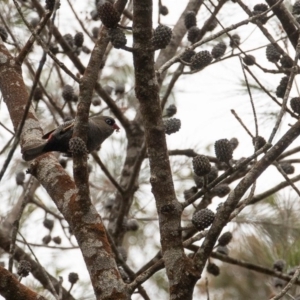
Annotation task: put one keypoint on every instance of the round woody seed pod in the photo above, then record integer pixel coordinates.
(172, 125)
(132, 225)
(119, 89)
(96, 101)
(272, 54)
(263, 19)
(193, 34)
(287, 167)
(296, 8)
(69, 40)
(95, 32)
(201, 165)
(94, 15)
(24, 268)
(73, 277)
(286, 62)
(225, 238)
(221, 190)
(203, 218)
(171, 110)
(50, 4)
(210, 177)
(279, 265)
(279, 283)
(258, 142)
(213, 269)
(223, 150)
(211, 25)
(68, 93)
(295, 105)
(163, 10)
(218, 50)
(117, 37)
(261, 7)
(234, 142)
(77, 146)
(20, 178)
(46, 239)
(235, 41)
(249, 60)
(48, 223)
(38, 94)
(161, 37)
(108, 15)
(187, 55)
(86, 50)
(201, 60)
(190, 20)
(78, 39)
(280, 91)
(57, 240)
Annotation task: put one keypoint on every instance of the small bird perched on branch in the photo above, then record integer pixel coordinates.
(99, 129)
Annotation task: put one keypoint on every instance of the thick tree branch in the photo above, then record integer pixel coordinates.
(12, 289)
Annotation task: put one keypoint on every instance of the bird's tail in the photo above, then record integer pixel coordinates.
(31, 152)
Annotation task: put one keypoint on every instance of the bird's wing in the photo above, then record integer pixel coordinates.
(62, 128)
(47, 135)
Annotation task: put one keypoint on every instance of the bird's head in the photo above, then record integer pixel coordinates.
(111, 122)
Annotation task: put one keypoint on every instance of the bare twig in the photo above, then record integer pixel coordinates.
(288, 286)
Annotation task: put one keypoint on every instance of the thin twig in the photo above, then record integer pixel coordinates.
(279, 168)
(107, 173)
(80, 22)
(170, 87)
(15, 226)
(35, 32)
(136, 168)
(250, 95)
(45, 48)
(1, 124)
(268, 93)
(42, 268)
(288, 286)
(241, 122)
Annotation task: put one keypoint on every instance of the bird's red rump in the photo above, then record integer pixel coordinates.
(115, 126)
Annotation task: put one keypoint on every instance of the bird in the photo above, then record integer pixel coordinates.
(99, 129)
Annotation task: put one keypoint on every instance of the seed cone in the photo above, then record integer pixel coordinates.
(201, 165)
(223, 150)
(108, 15)
(161, 37)
(203, 218)
(219, 50)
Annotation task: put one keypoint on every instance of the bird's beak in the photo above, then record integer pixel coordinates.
(115, 126)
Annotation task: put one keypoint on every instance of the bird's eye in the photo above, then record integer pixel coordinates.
(109, 121)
